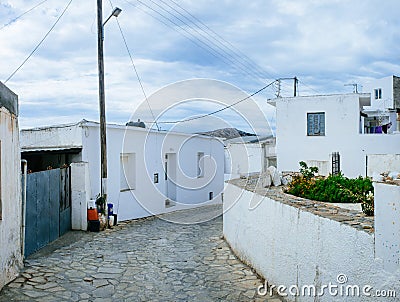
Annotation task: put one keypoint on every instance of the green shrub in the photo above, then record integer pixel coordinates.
(334, 188)
(307, 172)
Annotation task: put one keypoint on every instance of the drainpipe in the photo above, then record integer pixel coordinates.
(25, 164)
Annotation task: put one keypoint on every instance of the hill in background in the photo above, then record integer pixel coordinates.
(227, 133)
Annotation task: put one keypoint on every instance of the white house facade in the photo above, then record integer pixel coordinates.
(246, 155)
(10, 188)
(383, 114)
(385, 92)
(321, 129)
(149, 172)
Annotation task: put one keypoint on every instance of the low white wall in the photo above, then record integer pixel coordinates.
(80, 195)
(379, 163)
(387, 225)
(291, 247)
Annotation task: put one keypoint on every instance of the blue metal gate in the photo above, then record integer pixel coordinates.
(48, 208)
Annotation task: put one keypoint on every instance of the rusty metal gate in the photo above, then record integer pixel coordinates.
(48, 207)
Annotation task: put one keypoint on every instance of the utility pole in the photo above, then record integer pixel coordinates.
(295, 89)
(278, 88)
(355, 87)
(102, 106)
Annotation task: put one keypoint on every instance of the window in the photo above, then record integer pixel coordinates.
(127, 171)
(200, 164)
(316, 124)
(378, 93)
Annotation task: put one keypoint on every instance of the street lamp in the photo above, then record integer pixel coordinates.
(103, 140)
(115, 13)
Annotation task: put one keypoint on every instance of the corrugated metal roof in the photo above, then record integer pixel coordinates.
(70, 149)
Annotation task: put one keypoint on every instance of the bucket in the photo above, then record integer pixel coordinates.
(92, 214)
(110, 208)
(111, 221)
(91, 204)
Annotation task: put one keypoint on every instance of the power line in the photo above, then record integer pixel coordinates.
(205, 36)
(23, 14)
(135, 69)
(40, 43)
(137, 75)
(308, 86)
(219, 110)
(190, 36)
(230, 46)
(262, 73)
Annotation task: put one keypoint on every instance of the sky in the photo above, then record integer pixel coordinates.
(326, 44)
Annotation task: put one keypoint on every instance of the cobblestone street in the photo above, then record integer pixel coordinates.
(145, 260)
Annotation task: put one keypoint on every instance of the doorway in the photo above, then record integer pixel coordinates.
(170, 175)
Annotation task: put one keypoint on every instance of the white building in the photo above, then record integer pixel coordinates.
(385, 92)
(149, 172)
(249, 154)
(385, 105)
(10, 188)
(312, 128)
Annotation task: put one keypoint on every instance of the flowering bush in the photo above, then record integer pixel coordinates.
(334, 188)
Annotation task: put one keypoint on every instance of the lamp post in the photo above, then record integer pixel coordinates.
(100, 60)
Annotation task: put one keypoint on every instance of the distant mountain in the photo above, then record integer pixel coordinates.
(227, 133)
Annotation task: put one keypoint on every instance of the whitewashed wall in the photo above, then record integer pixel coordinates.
(386, 84)
(289, 247)
(62, 136)
(80, 195)
(387, 225)
(341, 134)
(244, 158)
(379, 163)
(10, 188)
(149, 198)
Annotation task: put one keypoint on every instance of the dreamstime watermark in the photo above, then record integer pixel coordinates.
(340, 288)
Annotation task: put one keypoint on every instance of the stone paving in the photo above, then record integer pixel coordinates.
(144, 260)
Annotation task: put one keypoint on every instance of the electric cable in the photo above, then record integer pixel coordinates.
(40, 43)
(135, 69)
(190, 36)
(137, 75)
(232, 59)
(309, 87)
(23, 14)
(228, 44)
(219, 110)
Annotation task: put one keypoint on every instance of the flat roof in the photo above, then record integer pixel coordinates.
(86, 123)
(363, 96)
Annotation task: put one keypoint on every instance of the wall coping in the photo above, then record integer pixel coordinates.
(352, 218)
(8, 99)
